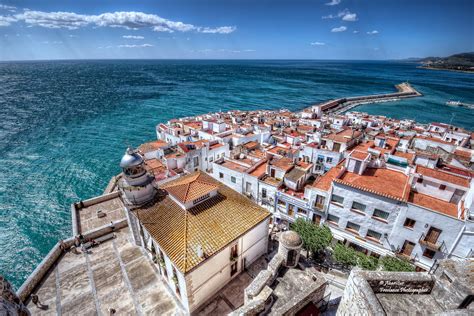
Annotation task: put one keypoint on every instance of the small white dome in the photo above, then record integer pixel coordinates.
(130, 159)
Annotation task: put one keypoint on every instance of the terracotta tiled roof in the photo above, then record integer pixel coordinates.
(408, 156)
(344, 136)
(359, 155)
(324, 182)
(212, 224)
(190, 188)
(443, 176)
(151, 146)
(260, 170)
(434, 204)
(283, 163)
(385, 182)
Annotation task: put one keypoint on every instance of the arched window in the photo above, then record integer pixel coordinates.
(291, 257)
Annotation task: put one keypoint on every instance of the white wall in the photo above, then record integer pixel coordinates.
(451, 227)
(215, 272)
(366, 222)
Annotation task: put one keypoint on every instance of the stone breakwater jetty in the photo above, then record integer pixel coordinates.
(338, 106)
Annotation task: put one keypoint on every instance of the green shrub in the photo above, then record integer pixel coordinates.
(345, 255)
(389, 263)
(367, 262)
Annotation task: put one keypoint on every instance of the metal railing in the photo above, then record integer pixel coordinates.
(400, 254)
(433, 245)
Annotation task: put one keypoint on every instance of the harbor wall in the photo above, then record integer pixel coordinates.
(405, 90)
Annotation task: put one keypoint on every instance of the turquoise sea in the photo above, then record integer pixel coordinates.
(65, 124)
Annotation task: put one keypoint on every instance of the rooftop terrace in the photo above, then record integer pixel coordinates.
(114, 274)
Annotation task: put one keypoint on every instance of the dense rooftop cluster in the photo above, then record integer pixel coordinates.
(384, 186)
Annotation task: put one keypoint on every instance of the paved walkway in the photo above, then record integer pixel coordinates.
(115, 274)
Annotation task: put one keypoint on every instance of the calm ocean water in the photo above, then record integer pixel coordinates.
(66, 124)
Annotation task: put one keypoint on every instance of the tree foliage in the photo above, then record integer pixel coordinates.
(315, 238)
(389, 263)
(367, 262)
(345, 255)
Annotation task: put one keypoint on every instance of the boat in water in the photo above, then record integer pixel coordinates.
(459, 103)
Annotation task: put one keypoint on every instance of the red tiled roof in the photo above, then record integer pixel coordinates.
(359, 155)
(283, 163)
(190, 188)
(443, 176)
(260, 170)
(434, 204)
(324, 182)
(380, 181)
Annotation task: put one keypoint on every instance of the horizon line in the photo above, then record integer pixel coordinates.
(412, 59)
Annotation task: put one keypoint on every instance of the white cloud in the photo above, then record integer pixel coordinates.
(220, 30)
(355, 32)
(223, 50)
(136, 37)
(7, 8)
(373, 32)
(350, 17)
(134, 46)
(334, 2)
(317, 44)
(339, 29)
(6, 20)
(128, 20)
(53, 42)
(345, 15)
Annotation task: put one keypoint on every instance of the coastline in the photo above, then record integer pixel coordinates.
(447, 69)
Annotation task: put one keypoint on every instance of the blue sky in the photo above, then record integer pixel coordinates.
(235, 29)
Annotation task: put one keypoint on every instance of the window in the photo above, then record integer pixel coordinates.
(320, 158)
(409, 223)
(433, 235)
(407, 248)
(264, 193)
(233, 269)
(428, 253)
(221, 175)
(358, 206)
(291, 209)
(419, 180)
(333, 219)
(352, 227)
(319, 203)
(442, 187)
(336, 199)
(196, 161)
(374, 235)
(201, 198)
(379, 214)
(302, 211)
(234, 251)
(211, 159)
(233, 179)
(329, 159)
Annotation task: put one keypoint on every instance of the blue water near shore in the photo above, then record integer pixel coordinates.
(65, 124)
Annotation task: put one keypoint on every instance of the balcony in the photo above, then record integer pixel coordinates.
(401, 255)
(431, 243)
(319, 206)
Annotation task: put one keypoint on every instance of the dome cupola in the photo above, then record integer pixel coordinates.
(132, 163)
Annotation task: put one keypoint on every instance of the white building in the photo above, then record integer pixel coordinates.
(201, 234)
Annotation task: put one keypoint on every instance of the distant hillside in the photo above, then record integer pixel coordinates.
(459, 62)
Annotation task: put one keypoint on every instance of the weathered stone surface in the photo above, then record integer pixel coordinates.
(409, 293)
(10, 304)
